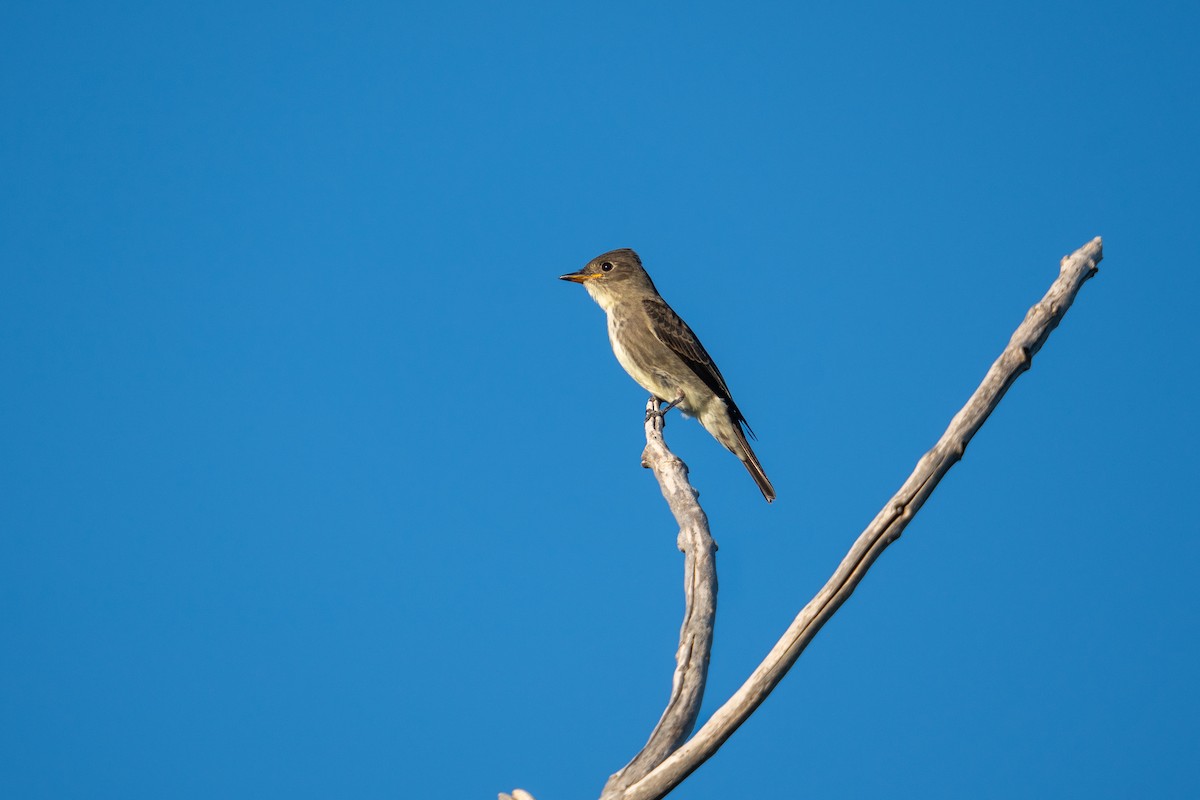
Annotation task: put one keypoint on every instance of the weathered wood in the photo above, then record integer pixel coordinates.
(517, 794)
(700, 571)
(887, 526)
(699, 615)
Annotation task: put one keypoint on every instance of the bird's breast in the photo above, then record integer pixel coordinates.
(647, 360)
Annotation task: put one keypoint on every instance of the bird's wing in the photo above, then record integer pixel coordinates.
(672, 331)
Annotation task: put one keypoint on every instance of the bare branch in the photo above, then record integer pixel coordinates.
(700, 609)
(887, 526)
(700, 613)
(663, 769)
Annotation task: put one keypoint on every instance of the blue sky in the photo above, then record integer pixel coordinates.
(317, 482)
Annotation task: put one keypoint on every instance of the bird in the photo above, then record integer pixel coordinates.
(662, 354)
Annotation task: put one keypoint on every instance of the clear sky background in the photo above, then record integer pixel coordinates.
(316, 483)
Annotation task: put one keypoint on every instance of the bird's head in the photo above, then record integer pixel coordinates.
(617, 274)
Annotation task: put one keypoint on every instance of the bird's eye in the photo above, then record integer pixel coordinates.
(606, 266)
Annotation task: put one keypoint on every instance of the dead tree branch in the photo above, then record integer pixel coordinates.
(660, 767)
(887, 526)
(699, 615)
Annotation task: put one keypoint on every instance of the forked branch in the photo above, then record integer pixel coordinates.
(887, 526)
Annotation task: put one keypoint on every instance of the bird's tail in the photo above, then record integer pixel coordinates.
(744, 452)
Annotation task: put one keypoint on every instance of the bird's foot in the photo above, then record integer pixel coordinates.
(662, 412)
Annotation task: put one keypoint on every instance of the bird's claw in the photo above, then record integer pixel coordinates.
(661, 413)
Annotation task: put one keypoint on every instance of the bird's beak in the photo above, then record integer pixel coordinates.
(578, 277)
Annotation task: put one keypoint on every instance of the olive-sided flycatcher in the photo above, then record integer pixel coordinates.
(661, 353)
